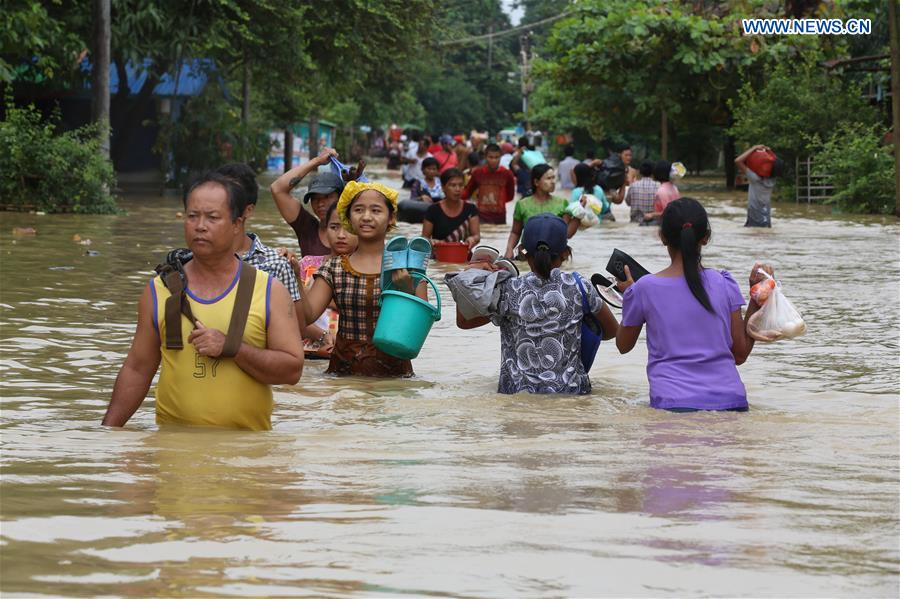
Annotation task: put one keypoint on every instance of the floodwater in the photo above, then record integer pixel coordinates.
(438, 485)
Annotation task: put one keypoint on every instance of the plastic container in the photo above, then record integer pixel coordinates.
(532, 158)
(405, 321)
(456, 252)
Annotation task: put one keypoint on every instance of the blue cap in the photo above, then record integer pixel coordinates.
(545, 229)
(446, 139)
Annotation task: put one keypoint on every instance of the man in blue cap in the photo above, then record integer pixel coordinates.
(324, 190)
(446, 157)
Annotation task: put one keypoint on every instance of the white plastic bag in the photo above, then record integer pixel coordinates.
(777, 319)
(587, 215)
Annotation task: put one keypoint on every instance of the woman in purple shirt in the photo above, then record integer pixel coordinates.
(696, 335)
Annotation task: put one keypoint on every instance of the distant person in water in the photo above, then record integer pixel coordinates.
(446, 156)
(541, 201)
(423, 192)
(565, 175)
(665, 194)
(759, 189)
(208, 377)
(641, 195)
(452, 219)
(491, 186)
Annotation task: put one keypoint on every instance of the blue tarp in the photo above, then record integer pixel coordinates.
(193, 77)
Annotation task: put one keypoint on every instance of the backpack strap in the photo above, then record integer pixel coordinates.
(240, 312)
(176, 305)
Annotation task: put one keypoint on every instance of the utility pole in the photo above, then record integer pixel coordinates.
(490, 66)
(527, 84)
(490, 47)
(664, 135)
(100, 73)
(245, 88)
(895, 98)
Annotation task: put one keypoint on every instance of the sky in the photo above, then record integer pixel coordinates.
(515, 15)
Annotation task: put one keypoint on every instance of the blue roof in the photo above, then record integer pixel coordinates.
(192, 78)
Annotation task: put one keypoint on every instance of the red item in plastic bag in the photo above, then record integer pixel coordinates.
(778, 319)
(761, 161)
(760, 292)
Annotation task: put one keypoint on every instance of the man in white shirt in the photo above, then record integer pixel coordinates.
(566, 166)
(508, 151)
(413, 159)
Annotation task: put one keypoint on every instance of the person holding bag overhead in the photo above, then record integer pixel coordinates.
(540, 315)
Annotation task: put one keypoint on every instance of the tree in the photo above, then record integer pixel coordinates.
(38, 42)
(797, 109)
(466, 84)
(632, 64)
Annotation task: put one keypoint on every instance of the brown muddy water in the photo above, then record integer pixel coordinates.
(438, 485)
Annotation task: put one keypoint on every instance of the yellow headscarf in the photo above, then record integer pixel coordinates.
(353, 189)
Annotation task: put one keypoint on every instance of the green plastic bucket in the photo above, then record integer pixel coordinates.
(405, 321)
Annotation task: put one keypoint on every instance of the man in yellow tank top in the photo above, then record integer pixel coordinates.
(197, 385)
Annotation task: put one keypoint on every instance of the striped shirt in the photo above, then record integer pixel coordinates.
(264, 258)
(640, 196)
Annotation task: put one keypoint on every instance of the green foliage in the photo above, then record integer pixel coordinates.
(797, 108)
(615, 65)
(37, 45)
(44, 170)
(209, 133)
(861, 168)
(464, 86)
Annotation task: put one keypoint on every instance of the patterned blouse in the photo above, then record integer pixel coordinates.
(356, 295)
(540, 333)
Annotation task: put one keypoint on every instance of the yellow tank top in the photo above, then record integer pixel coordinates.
(203, 391)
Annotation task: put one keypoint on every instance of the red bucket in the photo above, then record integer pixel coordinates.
(456, 252)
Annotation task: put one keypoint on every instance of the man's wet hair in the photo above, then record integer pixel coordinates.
(646, 169)
(492, 147)
(451, 173)
(569, 150)
(237, 196)
(244, 175)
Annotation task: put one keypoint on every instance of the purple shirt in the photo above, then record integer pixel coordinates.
(689, 361)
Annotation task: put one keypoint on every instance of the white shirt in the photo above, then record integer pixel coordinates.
(506, 159)
(415, 169)
(564, 172)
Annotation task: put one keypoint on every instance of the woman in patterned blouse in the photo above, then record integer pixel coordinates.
(540, 316)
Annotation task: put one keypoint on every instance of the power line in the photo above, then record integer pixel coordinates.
(488, 36)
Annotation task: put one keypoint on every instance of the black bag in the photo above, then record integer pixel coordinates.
(611, 175)
(617, 263)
